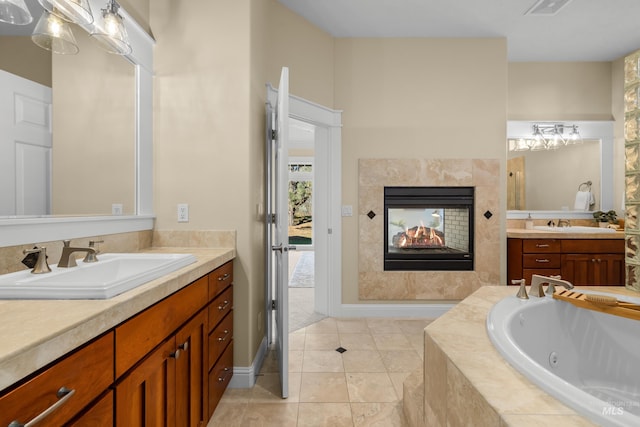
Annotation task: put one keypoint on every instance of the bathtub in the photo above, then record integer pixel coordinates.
(588, 360)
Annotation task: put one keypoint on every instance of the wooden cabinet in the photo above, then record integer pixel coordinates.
(580, 261)
(70, 385)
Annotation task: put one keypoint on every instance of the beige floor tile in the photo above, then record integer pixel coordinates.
(324, 388)
(229, 414)
(413, 326)
(295, 361)
(362, 361)
(417, 343)
(397, 379)
(296, 341)
(391, 342)
(236, 395)
(378, 414)
(352, 326)
(383, 326)
(357, 342)
(321, 342)
(267, 415)
(325, 326)
(324, 415)
(268, 390)
(322, 361)
(370, 387)
(400, 360)
(270, 363)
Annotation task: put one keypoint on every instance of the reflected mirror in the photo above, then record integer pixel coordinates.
(87, 167)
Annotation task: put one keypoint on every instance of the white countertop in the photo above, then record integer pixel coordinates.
(36, 332)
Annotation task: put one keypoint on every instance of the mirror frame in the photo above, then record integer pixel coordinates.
(602, 130)
(30, 230)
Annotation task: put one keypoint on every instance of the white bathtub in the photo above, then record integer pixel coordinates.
(588, 360)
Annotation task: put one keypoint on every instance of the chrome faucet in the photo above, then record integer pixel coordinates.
(564, 223)
(537, 283)
(66, 260)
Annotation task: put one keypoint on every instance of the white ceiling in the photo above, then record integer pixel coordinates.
(583, 30)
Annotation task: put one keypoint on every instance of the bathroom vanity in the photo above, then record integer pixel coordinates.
(582, 259)
(160, 354)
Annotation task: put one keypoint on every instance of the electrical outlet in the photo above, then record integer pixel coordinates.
(116, 209)
(183, 212)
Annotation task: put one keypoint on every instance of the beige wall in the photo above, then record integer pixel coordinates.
(22, 57)
(93, 131)
(416, 98)
(559, 91)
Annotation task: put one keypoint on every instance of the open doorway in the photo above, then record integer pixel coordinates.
(302, 265)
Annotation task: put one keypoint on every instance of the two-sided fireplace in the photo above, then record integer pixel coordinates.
(428, 228)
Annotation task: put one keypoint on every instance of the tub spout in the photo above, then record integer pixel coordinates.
(537, 283)
(555, 280)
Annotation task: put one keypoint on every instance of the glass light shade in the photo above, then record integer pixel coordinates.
(112, 35)
(574, 136)
(53, 34)
(522, 144)
(15, 12)
(77, 11)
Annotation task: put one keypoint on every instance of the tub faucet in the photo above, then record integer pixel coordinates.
(40, 266)
(66, 260)
(564, 223)
(537, 283)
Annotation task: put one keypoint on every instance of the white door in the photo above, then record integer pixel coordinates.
(278, 229)
(25, 146)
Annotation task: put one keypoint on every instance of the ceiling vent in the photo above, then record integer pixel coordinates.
(547, 7)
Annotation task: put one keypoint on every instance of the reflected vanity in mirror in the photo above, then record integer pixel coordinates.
(546, 182)
(100, 155)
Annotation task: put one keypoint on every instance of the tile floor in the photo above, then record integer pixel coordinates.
(360, 387)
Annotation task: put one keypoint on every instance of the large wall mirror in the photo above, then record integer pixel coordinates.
(100, 151)
(547, 182)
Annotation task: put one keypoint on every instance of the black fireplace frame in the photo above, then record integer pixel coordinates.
(429, 197)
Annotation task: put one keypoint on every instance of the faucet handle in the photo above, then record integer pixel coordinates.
(522, 292)
(41, 265)
(92, 244)
(66, 243)
(91, 255)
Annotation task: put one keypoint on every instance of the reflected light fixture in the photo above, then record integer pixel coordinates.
(546, 136)
(54, 34)
(15, 12)
(76, 11)
(539, 142)
(112, 35)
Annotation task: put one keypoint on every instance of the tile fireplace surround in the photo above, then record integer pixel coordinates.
(374, 174)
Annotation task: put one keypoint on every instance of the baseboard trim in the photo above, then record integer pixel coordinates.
(391, 310)
(245, 376)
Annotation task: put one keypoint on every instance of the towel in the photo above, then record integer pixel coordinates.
(583, 200)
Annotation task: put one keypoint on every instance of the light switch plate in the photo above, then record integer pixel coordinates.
(347, 210)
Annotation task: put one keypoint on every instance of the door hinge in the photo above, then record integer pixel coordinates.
(273, 304)
(330, 231)
(274, 134)
(271, 218)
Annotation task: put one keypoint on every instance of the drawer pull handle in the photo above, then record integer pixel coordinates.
(184, 346)
(542, 260)
(542, 245)
(223, 338)
(225, 376)
(224, 277)
(64, 394)
(223, 307)
(175, 354)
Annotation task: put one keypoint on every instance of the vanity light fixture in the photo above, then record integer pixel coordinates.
(76, 11)
(111, 33)
(15, 12)
(539, 141)
(54, 34)
(546, 136)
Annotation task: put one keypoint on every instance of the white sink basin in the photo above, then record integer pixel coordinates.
(112, 275)
(574, 229)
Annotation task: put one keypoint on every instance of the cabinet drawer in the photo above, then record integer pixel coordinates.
(220, 307)
(100, 414)
(139, 335)
(88, 372)
(604, 246)
(219, 378)
(220, 278)
(541, 260)
(220, 338)
(537, 246)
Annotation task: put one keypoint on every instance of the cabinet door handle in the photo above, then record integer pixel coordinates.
(175, 354)
(184, 346)
(542, 245)
(224, 306)
(227, 372)
(542, 260)
(64, 394)
(224, 277)
(223, 338)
